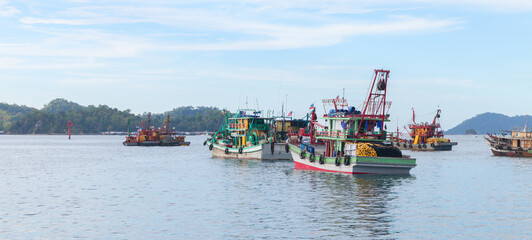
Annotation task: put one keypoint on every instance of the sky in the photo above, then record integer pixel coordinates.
(465, 57)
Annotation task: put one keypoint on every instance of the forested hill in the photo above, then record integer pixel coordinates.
(489, 123)
(53, 118)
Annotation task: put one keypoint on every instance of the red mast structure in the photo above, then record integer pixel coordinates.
(421, 132)
(376, 105)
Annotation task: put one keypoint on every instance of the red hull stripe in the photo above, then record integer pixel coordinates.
(303, 166)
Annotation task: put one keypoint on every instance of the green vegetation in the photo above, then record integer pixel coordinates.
(11, 113)
(53, 118)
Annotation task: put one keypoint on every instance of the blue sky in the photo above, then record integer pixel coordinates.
(467, 57)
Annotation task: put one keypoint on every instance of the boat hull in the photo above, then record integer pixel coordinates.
(130, 144)
(357, 165)
(426, 147)
(157, 143)
(174, 143)
(508, 152)
(149, 143)
(258, 152)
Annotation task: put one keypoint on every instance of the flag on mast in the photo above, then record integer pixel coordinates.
(290, 114)
(311, 106)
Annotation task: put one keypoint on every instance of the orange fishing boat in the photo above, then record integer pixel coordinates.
(424, 136)
(151, 136)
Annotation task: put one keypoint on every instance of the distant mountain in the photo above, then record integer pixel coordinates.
(489, 123)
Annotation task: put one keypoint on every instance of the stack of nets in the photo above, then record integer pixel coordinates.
(438, 140)
(365, 150)
(374, 150)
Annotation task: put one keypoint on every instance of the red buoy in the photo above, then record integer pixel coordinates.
(69, 125)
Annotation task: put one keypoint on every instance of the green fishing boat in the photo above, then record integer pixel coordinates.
(352, 141)
(247, 135)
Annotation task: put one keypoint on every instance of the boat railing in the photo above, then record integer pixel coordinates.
(351, 135)
(428, 134)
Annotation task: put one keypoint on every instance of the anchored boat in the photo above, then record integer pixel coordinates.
(155, 136)
(517, 144)
(353, 141)
(247, 135)
(425, 136)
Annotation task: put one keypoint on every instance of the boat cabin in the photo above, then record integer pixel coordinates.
(522, 139)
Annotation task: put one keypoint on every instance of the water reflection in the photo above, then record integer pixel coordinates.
(357, 206)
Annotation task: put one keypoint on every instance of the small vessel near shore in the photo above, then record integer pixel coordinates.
(517, 144)
(247, 135)
(352, 141)
(424, 136)
(151, 136)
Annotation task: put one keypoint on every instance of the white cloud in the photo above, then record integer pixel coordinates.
(286, 37)
(49, 63)
(492, 5)
(79, 43)
(66, 34)
(91, 81)
(7, 11)
(443, 82)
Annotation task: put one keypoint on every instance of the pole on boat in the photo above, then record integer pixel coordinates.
(129, 127)
(69, 125)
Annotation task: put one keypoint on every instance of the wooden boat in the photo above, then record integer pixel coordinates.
(150, 136)
(424, 136)
(353, 141)
(517, 144)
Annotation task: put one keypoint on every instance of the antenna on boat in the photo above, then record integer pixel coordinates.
(526, 123)
(286, 101)
(343, 93)
(282, 110)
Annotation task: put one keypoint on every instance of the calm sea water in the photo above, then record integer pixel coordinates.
(93, 187)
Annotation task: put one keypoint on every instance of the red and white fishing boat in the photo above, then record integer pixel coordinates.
(352, 141)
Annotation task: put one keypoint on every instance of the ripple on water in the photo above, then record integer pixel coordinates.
(93, 187)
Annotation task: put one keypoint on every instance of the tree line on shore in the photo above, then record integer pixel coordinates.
(53, 118)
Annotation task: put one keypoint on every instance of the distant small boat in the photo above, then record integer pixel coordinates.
(425, 136)
(517, 144)
(148, 137)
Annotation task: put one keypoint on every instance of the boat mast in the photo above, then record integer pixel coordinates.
(437, 116)
(167, 124)
(376, 101)
(149, 118)
(526, 123)
(413, 116)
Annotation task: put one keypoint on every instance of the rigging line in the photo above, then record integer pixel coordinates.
(426, 114)
(367, 95)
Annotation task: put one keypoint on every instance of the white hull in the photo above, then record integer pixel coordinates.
(258, 152)
(353, 167)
